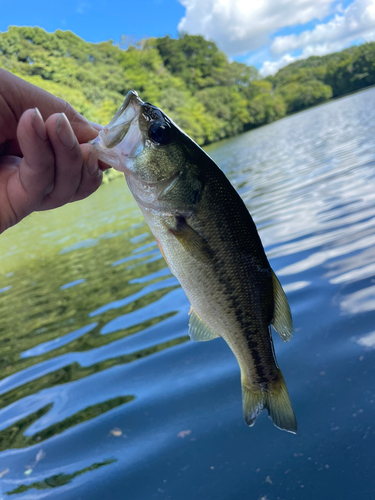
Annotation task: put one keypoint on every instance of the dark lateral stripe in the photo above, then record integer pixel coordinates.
(263, 377)
(263, 372)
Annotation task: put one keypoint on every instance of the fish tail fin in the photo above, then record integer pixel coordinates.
(277, 402)
(275, 399)
(252, 402)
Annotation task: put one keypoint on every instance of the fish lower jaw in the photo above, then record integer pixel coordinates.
(113, 157)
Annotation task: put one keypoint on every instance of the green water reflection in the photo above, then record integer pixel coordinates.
(65, 276)
(13, 436)
(36, 261)
(59, 479)
(75, 371)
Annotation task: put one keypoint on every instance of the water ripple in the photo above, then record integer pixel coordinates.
(309, 182)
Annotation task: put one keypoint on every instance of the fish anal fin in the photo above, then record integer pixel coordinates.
(192, 242)
(199, 331)
(282, 317)
(275, 399)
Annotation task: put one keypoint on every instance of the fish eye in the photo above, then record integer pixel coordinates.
(160, 133)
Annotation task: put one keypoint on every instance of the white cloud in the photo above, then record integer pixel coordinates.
(272, 67)
(357, 21)
(242, 26)
(239, 26)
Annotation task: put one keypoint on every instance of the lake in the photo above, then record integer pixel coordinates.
(103, 395)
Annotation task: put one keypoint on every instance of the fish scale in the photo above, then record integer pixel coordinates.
(263, 362)
(211, 245)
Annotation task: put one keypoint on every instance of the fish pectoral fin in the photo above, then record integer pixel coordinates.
(192, 242)
(282, 317)
(275, 399)
(199, 331)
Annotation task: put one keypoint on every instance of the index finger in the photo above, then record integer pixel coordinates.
(20, 95)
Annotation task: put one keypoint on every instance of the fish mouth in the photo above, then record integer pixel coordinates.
(121, 139)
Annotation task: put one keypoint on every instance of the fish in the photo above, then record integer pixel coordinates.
(210, 243)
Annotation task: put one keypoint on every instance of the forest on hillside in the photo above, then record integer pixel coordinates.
(207, 95)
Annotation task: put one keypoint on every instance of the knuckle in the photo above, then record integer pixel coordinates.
(65, 106)
(72, 114)
(48, 188)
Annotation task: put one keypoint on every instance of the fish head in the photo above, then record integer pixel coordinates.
(141, 139)
(156, 156)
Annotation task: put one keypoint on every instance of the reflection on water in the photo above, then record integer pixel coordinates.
(19, 434)
(367, 340)
(94, 336)
(59, 479)
(57, 342)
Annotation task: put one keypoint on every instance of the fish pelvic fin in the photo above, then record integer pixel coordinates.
(199, 331)
(275, 399)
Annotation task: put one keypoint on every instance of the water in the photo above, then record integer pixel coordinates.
(102, 395)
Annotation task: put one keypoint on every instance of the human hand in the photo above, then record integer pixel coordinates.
(45, 160)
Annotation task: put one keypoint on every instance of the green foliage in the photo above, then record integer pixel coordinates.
(189, 77)
(266, 108)
(355, 71)
(347, 71)
(298, 95)
(229, 108)
(198, 62)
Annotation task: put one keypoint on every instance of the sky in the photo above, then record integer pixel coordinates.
(266, 33)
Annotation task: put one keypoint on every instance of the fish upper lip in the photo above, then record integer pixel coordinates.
(113, 133)
(131, 97)
(122, 138)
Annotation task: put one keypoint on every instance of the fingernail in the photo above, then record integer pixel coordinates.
(65, 132)
(92, 162)
(38, 125)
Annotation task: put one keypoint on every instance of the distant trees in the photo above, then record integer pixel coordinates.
(189, 77)
(355, 71)
(299, 95)
(316, 79)
(198, 62)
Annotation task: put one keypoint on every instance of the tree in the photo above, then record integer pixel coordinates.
(189, 77)
(298, 96)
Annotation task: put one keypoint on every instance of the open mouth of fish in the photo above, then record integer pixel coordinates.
(118, 145)
(122, 138)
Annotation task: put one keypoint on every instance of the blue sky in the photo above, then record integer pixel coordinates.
(96, 20)
(266, 33)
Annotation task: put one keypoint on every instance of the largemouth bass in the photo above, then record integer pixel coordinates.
(211, 245)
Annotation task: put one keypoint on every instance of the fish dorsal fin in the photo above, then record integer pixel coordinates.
(198, 329)
(282, 317)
